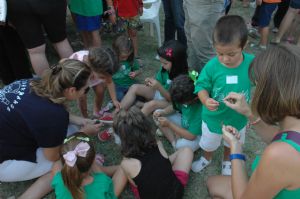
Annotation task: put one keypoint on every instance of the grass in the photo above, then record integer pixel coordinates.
(196, 187)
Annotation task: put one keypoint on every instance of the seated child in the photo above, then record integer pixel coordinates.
(149, 169)
(227, 72)
(173, 58)
(80, 175)
(104, 64)
(129, 67)
(186, 132)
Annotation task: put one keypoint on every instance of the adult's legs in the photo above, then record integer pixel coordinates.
(178, 17)
(63, 48)
(201, 16)
(38, 59)
(219, 187)
(285, 24)
(169, 25)
(137, 90)
(280, 12)
(11, 47)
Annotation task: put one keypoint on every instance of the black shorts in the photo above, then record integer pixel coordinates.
(32, 17)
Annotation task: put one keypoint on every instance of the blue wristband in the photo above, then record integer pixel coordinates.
(237, 156)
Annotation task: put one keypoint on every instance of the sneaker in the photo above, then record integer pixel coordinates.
(200, 164)
(105, 135)
(107, 118)
(275, 30)
(254, 33)
(226, 168)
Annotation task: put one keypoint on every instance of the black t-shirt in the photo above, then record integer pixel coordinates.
(28, 121)
(156, 178)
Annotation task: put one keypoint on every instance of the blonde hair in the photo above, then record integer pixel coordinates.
(65, 74)
(73, 176)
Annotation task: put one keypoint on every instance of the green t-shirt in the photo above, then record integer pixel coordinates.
(284, 193)
(191, 119)
(101, 188)
(219, 80)
(163, 77)
(121, 77)
(86, 8)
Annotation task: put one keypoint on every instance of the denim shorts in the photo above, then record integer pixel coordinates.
(84, 23)
(265, 14)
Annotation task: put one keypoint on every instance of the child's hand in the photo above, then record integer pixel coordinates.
(117, 105)
(163, 121)
(230, 135)
(132, 75)
(91, 129)
(158, 113)
(211, 104)
(151, 82)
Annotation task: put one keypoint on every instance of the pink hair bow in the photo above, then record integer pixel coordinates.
(169, 52)
(80, 150)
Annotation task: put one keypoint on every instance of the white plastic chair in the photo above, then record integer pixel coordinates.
(151, 15)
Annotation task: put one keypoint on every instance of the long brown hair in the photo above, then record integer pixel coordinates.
(73, 176)
(65, 74)
(135, 131)
(276, 73)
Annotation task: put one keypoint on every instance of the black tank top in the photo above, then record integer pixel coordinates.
(156, 179)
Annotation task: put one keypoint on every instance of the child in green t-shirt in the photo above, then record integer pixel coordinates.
(173, 59)
(181, 129)
(227, 72)
(80, 173)
(129, 67)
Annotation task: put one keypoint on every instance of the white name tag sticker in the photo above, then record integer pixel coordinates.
(232, 79)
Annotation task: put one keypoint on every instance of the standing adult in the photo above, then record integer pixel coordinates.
(200, 19)
(174, 20)
(34, 122)
(34, 17)
(11, 46)
(275, 174)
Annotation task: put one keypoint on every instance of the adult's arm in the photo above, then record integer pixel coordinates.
(274, 172)
(52, 154)
(237, 102)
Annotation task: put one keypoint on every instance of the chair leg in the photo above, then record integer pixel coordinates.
(157, 27)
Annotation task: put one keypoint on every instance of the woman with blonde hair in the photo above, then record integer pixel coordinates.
(34, 122)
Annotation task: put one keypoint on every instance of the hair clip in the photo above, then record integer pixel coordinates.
(86, 139)
(80, 150)
(193, 75)
(55, 69)
(169, 52)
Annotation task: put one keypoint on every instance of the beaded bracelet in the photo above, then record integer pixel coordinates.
(237, 156)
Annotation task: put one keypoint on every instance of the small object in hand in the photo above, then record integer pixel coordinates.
(231, 100)
(97, 122)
